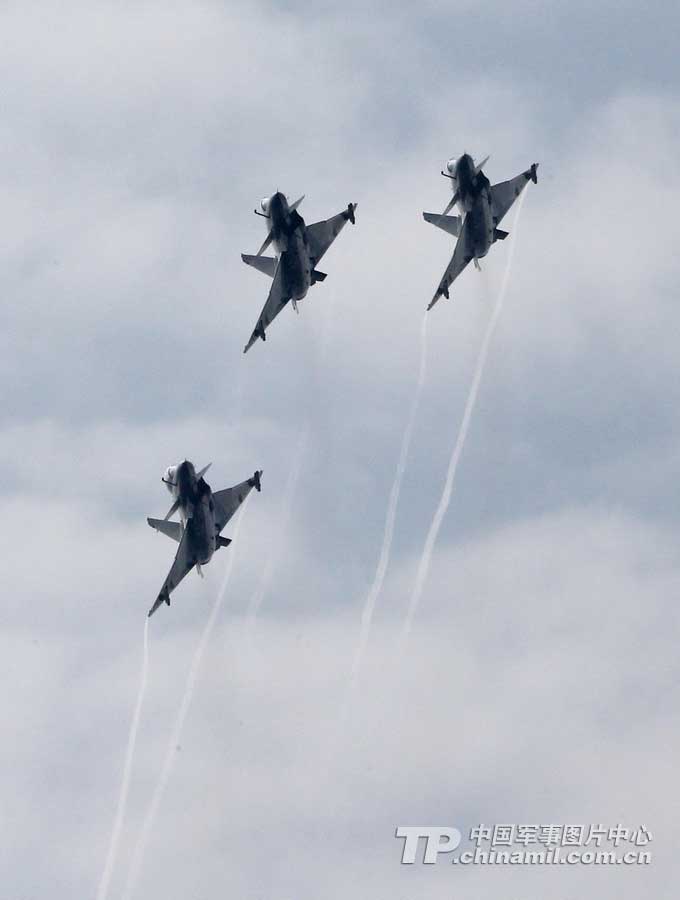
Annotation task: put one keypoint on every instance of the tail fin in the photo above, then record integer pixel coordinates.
(255, 481)
(451, 224)
(222, 541)
(318, 276)
(499, 234)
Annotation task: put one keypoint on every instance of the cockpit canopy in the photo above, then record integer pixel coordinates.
(170, 477)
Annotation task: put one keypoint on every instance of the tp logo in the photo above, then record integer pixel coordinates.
(438, 839)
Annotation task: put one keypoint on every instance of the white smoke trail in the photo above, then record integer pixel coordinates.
(273, 559)
(236, 403)
(327, 326)
(127, 770)
(170, 754)
(339, 727)
(424, 565)
(388, 532)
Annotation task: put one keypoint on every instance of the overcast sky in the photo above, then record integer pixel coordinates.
(540, 684)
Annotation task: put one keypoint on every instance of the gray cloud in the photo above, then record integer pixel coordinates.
(540, 679)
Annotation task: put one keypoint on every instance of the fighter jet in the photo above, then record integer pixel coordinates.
(203, 515)
(482, 207)
(299, 248)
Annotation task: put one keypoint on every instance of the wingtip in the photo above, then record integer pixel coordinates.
(163, 597)
(437, 297)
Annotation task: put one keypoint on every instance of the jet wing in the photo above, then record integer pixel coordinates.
(182, 565)
(461, 257)
(504, 194)
(228, 501)
(321, 235)
(276, 300)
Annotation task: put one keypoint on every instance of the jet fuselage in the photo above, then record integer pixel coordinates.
(290, 240)
(480, 225)
(197, 509)
(474, 202)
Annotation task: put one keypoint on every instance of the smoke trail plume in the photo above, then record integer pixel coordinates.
(388, 532)
(127, 770)
(338, 728)
(170, 754)
(273, 559)
(424, 565)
